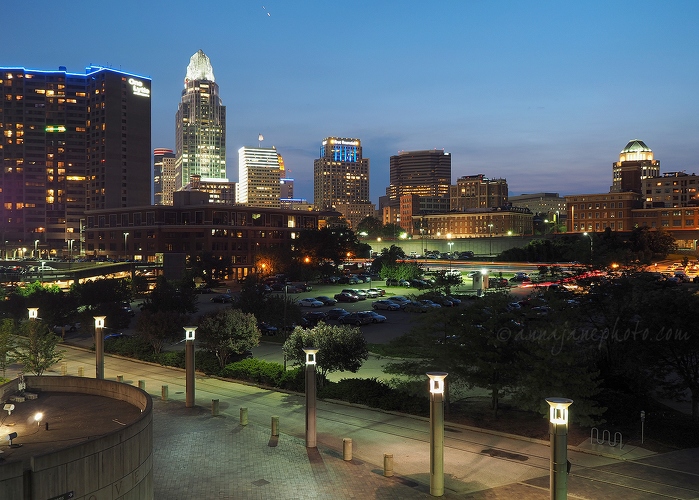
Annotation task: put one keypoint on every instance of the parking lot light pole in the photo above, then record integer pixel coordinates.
(33, 312)
(189, 332)
(99, 347)
(558, 432)
(437, 433)
(311, 397)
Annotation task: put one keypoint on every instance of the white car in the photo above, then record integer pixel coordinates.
(309, 302)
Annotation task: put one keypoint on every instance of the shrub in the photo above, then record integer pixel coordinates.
(374, 393)
(130, 347)
(173, 358)
(207, 362)
(255, 370)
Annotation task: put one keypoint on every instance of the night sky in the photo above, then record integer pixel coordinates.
(544, 94)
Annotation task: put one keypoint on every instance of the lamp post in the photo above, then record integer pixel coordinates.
(36, 249)
(70, 250)
(558, 432)
(437, 433)
(99, 347)
(189, 332)
(126, 236)
(33, 312)
(450, 244)
(490, 237)
(311, 397)
(589, 236)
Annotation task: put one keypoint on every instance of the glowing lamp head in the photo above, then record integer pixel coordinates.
(189, 332)
(33, 312)
(310, 356)
(484, 272)
(38, 417)
(558, 410)
(99, 321)
(437, 382)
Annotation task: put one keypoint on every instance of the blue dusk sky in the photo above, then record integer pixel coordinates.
(544, 94)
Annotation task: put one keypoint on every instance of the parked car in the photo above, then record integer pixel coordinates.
(360, 294)
(400, 300)
(380, 292)
(375, 317)
(336, 312)
(386, 305)
(497, 282)
(416, 307)
(223, 298)
(313, 317)
(346, 297)
(354, 319)
(309, 302)
(68, 327)
(126, 307)
(326, 300)
(430, 303)
(267, 329)
(116, 335)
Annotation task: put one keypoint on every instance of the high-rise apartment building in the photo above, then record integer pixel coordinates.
(341, 179)
(259, 175)
(635, 164)
(478, 191)
(424, 173)
(163, 176)
(200, 126)
(70, 142)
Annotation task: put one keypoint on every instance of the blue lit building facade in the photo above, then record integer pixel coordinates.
(70, 142)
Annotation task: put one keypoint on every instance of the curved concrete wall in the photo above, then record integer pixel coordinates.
(115, 466)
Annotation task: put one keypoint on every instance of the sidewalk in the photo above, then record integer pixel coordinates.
(200, 456)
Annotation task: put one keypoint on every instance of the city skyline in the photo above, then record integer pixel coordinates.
(544, 95)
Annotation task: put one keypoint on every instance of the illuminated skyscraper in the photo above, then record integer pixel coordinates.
(635, 164)
(200, 126)
(424, 173)
(163, 176)
(70, 143)
(259, 177)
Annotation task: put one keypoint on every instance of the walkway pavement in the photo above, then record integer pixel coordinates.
(201, 456)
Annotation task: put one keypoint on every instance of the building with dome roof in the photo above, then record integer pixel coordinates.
(635, 164)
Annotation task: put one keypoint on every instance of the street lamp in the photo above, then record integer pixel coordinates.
(189, 332)
(36, 249)
(70, 249)
(490, 236)
(99, 347)
(558, 432)
(126, 235)
(311, 356)
(450, 244)
(589, 236)
(437, 433)
(33, 312)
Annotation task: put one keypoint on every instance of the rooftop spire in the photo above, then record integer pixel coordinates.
(199, 68)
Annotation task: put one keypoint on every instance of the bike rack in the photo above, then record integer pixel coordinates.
(606, 437)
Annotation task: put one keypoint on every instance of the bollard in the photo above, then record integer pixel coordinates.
(214, 407)
(64, 368)
(388, 464)
(81, 371)
(120, 378)
(142, 385)
(243, 416)
(164, 393)
(275, 426)
(347, 449)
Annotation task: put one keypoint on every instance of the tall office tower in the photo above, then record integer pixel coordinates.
(286, 188)
(70, 143)
(424, 173)
(200, 126)
(259, 175)
(163, 176)
(635, 164)
(478, 191)
(341, 179)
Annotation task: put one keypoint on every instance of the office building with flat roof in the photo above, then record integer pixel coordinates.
(71, 142)
(423, 173)
(163, 176)
(259, 177)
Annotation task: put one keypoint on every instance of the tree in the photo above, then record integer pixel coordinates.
(36, 347)
(228, 332)
(340, 348)
(159, 327)
(172, 296)
(371, 226)
(7, 329)
(444, 280)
